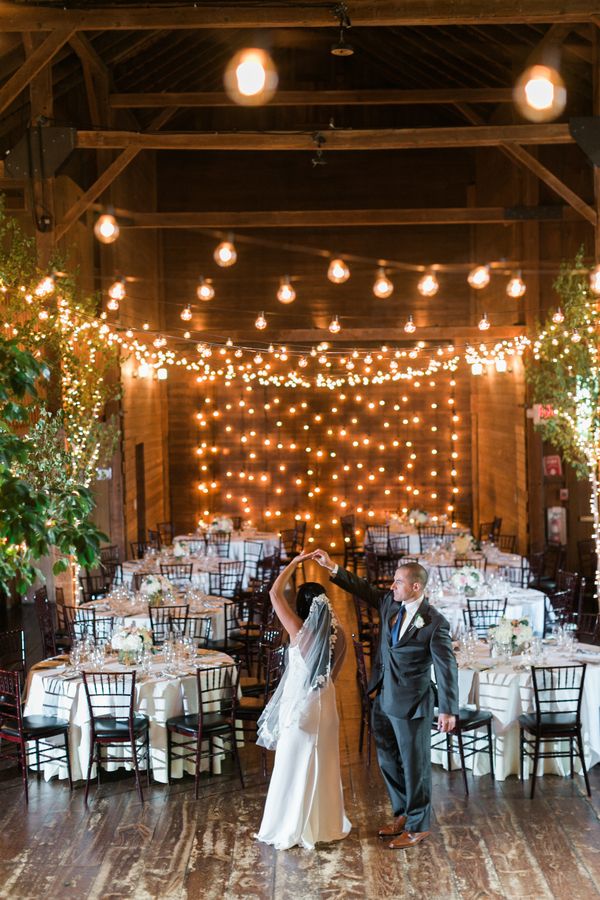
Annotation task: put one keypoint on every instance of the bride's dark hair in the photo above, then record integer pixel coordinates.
(305, 596)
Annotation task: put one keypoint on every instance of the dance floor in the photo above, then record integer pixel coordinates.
(496, 844)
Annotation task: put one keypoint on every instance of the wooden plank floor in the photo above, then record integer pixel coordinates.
(497, 844)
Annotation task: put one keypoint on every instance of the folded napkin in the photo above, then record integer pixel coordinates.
(588, 656)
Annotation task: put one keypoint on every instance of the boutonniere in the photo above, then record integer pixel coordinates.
(419, 621)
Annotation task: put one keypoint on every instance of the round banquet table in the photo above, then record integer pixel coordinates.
(55, 690)
(414, 540)
(135, 611)
(522, 603)
(506, 690)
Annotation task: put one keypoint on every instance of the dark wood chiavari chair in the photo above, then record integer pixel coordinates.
(110, 554)
(366, 704)
(467, 731)
(560, 609)
(490, 531)
(154, 538)
(300, 536)
(354, 554)
(558, 694)
(430, 536)
(588, 561)
(474, 562)
(367, 622)
(519, 576)
(12, 652)
(227, 580)
(216, 718)
(179, 574)
(85, 623)
(114, 723)
(43, 610)
(199, 628)
(399, 544)
(250, 707)
(114, 573)
(17, 732)
(167, 621)
(220, 542)
(507, 543)
(236, 521)
(140, 548)
(377, 537)
(253, 553)
(588, 628)
(483, 614)
(544, 565)
(94, 586)
(166, 533)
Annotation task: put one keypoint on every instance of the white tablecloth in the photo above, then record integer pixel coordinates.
(506, 690)
(521, 604)
(135, 611)
(158, 696)
(414, 540)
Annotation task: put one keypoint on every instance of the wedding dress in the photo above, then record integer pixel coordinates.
(305, 802)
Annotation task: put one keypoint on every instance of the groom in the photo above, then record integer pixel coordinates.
(413, 635)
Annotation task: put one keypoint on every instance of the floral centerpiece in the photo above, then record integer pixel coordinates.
(515, 633)
(418, 517)
(155, 588)
(462, 545)
(466, 580)
(129, 641)
(178, 549)
(221, 523)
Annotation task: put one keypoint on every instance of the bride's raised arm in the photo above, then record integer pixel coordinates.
(288, 618)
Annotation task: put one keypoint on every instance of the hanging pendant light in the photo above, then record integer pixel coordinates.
(479, 277)
(251, 77)
(558, 317)
(338, 271)
(285, 291)
(225, 254)
(204, 291)
(117, 290)
(186, 313)
(484, 323)
(428, 285)
(334, 325)
(106, 228)
(261, 322)
(540, 94)
(383, 287)
(410, 326)
(516, 287)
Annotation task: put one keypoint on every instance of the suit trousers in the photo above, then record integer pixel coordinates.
(404, 757)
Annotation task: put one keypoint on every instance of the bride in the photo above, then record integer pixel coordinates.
(305, 803)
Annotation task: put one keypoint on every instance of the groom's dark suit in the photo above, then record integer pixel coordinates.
(403, 707)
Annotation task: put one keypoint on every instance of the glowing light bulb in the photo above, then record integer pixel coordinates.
(540, 94)
(303, 362)
(143, 370)
(516, 287)
(162, 374)
(338, 271)
(205, 290)
(334, 325)
(251, 78)
(410, 326)
(484, 323)
(117, 290)
(285, 291)
(225, 254)
(186, 313)
(428, 285)
(382, 286)
(595, 280)
(558, 316)
(258, 359)
(45, 287)
(479, 277)
(261, 322)
(106, 229)
(501, 364)
(477, 369)
(113, 304)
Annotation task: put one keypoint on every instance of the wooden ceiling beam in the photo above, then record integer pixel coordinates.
(392, 97)
(21, 17)
(33, 65)
(333, 140)
(326, 218)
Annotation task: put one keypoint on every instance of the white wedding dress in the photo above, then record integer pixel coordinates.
(305, 803)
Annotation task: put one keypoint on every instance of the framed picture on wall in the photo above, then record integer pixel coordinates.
(557, 524)
(553, 466)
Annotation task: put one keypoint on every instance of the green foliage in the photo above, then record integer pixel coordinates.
(563, 370)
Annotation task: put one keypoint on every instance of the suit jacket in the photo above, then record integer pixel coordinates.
(403, 672)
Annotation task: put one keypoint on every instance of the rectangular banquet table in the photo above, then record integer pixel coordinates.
(506, 690)
(55, 692)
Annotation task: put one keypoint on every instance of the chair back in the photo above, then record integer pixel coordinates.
(113, 572)
(109, 554)
(220, 541)
(371, 563)
(484, 614)
(217, 693)
(365, 620)
(45, 619)
(588, 628)
(507, 543)
(95, 585)
(430, 536)
(236, 521)
(568, 582)
(11, 716)
(253, 553)
(166, 533)
(518, 576)
(110, 695)
(82, 623)
(563, 606)
(288, 546)
(299, 536)
(558, 690)
(12, 651)
(166, 621)
(474, 562)
(490, 531)
(200, 629)
(154, 538)
(349, 531)
(361, 673)
(588, 559)
(399, 544)
(378, 538)
(274, 669)
(140, 548)
(177, 573)
(227, 581)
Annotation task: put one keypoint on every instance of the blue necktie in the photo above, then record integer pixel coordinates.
(398, 625)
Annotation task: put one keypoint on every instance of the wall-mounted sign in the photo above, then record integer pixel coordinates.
(557, 525)
(552, 466)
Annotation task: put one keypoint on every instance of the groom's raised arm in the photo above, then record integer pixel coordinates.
(348, 581)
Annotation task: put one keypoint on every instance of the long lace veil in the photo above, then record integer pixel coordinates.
(315, 642)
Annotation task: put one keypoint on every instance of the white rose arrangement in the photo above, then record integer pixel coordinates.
(155, 586)
(221, 523)
(516, 632)
(466, 578)
(462, 544)
(178, 549)
(418, 517)
(131, 639)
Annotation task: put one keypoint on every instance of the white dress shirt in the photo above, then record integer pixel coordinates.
(411, 611)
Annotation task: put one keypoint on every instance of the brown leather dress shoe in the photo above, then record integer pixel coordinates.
(408, 839)
(396, 827)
